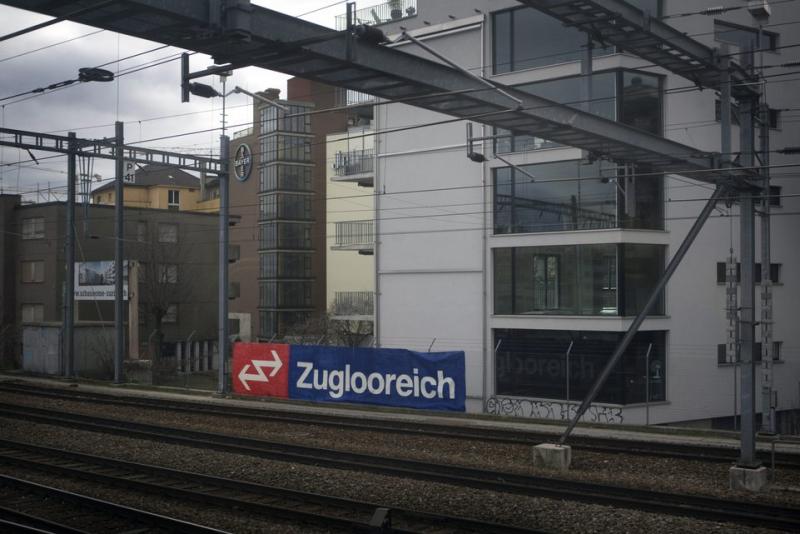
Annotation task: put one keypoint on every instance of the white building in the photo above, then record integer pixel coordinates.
(537, 279)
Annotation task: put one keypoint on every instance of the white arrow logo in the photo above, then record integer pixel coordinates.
(260, 375)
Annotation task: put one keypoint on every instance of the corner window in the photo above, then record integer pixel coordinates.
(570, 195)
(743, 36)
(167, 233)
(33, 228)
(603, 279)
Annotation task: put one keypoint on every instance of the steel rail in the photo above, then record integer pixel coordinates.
(706, 453)
(136, 516)
(706, 508)
(236, 494)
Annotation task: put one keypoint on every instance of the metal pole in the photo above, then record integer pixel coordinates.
(69, 285)
(637, 322)
(747, 289)
(119, 269)
(647, 386)
(569, 350)
(747, 455)
(224, 217)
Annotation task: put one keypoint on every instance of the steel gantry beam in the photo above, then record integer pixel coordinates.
(106, 149)
(239, 33)
(618, 23)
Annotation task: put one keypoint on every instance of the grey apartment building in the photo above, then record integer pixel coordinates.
(176, 253)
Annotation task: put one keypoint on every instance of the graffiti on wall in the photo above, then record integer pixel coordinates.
(558, 410)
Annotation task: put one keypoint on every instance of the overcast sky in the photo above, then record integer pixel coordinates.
(90, 109)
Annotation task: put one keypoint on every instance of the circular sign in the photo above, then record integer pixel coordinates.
(242, 162)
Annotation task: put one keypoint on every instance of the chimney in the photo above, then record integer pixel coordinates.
(272, 94)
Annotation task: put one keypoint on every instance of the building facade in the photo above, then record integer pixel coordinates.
(160, 187)
(176, 265)
(537, 269)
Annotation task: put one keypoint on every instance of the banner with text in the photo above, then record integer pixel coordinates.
(389, 377)
(96, 280)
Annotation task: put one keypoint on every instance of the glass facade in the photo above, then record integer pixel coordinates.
(604, 279)
(630, 97)
(535, 363)
(571, 195)
(524, 38)
(285, 218)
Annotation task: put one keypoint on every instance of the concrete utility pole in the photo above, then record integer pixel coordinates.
(69, 283)
(119, 343)
(224, 219)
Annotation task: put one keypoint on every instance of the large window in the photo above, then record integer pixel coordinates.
(295, 120)
(285, 235)
(604, 279)
(743, 36)
(285, 265)
(280, 147)
(285, 206)
(524, 38)
(630, 97)
(563, 364)
(284, 177)
(285, 294)
(570, 195)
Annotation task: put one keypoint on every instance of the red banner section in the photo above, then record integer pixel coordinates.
(261, 369)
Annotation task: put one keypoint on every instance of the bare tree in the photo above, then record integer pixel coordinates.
(330, 329)
(165, 278)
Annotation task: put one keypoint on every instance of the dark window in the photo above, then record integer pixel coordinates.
(743, 36)
(524, 38)
(275, 265)
(32, 271)
(605, 279)
(533, 363)
(284, 177)
(569, 195)
(295, 120)
(285, 235)
(774, 118)
(631, 97)
(775, 195)
(774, 272)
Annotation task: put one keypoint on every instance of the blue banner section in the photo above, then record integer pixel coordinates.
(391, 377)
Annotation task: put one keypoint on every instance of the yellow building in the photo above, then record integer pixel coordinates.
(161, 187)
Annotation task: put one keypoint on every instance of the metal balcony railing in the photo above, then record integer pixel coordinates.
(357, 98)
(390, 11)
(353, 303)
(352, 234)
(354, 162)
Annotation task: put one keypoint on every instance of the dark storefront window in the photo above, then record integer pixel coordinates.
(604, 279)
(533, 363)
(569, 195)
(524, 38)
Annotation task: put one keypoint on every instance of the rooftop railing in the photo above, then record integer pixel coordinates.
(391, 11)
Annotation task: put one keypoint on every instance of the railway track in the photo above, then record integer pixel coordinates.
(421, 428)
(31, 507)
(707, 508)
(295, 506)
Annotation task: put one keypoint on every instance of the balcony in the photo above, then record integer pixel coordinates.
(391, 11)
(355, 305)
(356, 166)
(355, 235)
